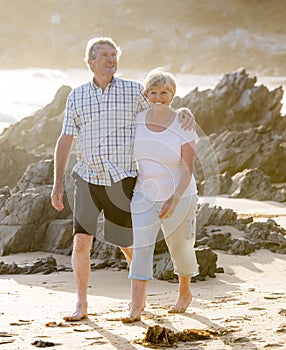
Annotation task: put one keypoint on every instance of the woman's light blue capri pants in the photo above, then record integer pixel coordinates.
(178, 230)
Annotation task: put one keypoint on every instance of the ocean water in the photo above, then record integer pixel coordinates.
(24, 91)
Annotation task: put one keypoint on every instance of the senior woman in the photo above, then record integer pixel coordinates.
(165, 194)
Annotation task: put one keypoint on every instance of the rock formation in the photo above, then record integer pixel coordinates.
(241, 153)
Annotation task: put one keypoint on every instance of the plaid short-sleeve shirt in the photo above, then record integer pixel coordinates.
(104, 125)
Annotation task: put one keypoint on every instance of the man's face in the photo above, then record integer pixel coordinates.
(105, 61)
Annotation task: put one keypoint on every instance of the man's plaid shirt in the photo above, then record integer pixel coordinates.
(104, 124)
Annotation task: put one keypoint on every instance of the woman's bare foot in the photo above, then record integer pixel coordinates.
(79, 314)
(143, 307)
(181, 305)
(134, 315)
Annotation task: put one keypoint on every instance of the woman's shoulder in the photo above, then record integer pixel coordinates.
(140, 117)
(176, 123)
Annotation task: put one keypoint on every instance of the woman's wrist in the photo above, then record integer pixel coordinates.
(177, 195)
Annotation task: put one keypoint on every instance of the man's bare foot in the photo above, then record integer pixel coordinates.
(79, 314)
(181, 305)
(134, 315)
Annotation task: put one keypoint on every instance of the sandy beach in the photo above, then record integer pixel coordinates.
(246, 304)
(247, 300)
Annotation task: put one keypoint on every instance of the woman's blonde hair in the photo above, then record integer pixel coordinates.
(160, 77)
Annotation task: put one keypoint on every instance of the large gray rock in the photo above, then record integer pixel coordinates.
(28, 208)
(235, 103)
(240, 126)
(36, 174)
(21, 238)
(31, 139)
(217, 216)
(14, 160)
(58, 237)
(250, 183)
(26, 214)
(262, 148)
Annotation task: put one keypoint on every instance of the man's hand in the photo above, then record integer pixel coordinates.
(186, 118)
(57, 197)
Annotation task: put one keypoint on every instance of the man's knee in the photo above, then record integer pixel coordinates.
(82, 243)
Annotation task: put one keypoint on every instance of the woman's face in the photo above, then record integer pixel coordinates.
(160, 94)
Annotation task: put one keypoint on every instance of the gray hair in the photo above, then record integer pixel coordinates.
(160, 77)
(94, 44)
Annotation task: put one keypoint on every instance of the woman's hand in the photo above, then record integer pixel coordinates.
(169, 206)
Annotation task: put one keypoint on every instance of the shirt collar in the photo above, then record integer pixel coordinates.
(96, 85)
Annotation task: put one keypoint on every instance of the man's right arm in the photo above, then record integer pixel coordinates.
(143, 103)
(62, 153)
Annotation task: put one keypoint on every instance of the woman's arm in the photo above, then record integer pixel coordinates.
(188, 154)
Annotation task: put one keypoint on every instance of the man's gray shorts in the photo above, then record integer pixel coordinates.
(114, 201)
